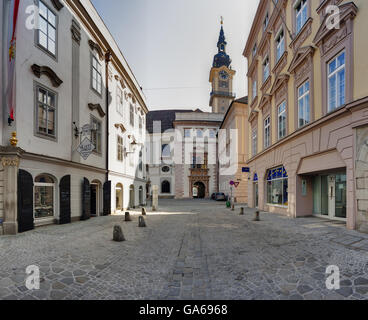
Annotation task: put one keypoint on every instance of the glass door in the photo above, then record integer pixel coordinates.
(256, 195)
(340, 196)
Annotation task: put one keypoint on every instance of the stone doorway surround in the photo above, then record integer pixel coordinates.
(199, 175)
(10, 159)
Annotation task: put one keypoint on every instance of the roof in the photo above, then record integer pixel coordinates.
(243, 100)
(167, 118)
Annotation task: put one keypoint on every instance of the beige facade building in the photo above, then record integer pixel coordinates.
(308, 109)
(234, 168)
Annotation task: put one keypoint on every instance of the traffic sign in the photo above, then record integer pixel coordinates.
(236, 184)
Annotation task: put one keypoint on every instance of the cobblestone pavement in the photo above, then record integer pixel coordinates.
(189, 250)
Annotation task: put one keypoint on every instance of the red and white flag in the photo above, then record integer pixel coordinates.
(12, 41)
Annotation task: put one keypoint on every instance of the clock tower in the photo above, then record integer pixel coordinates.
(221, 77)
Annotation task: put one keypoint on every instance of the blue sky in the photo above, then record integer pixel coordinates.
(170, 44)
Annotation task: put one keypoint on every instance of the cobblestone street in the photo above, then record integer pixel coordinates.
(189, 250)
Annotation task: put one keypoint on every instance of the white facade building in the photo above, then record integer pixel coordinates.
(62, 93)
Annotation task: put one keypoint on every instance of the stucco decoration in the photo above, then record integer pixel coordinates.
(347, 11)
(57, 4)
(47, 71)
(94, 46)
(97, 107)
(76, 32)
(279, 81)
(265, 102)
(300, 56)
(121, 127)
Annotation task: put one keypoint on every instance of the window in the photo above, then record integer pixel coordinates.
(166, 151)
(140, 167)
(187, 133)
(267, 132)
(212, 133)
(224, 84)
(165, 187)
(165, 169)
(46, 113)
(265, 22)
(132, 115)
(96, 134)
(119, 101)
(140, 125)
(46, 35)
(96, 75)
(301, 9)
(44, 192)
(254, 89)
(266, 69)
(277, 187)
(254, 52)
(254, 142)
(120, 148)
(282, 120)
(199, 162)
(336, 82)
(280, 45)
(304, 104)
(199, 133)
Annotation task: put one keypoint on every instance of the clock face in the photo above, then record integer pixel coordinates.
(224, 75)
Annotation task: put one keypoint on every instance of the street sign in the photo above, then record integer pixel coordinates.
(236, 184)
(245, 170)
(86, 129)
(86, 148)
(232, 182)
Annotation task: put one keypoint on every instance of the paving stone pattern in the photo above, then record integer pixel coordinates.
(189, 250)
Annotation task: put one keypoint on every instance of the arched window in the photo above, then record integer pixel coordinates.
(166, 150)
(165, 187)
(44, 197)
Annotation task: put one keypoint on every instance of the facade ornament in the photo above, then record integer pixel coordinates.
(97, 107)
(57, 4)
(44, 70)
(76, 32)
(13, 139)
(10, 162)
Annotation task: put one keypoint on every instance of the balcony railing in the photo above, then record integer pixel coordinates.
(223, 94)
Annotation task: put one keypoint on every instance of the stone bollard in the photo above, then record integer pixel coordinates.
(256, 216)
(144, 212)
(118, 235)
(233, 207)
(127, 217)
(142, 222)
(242, 211)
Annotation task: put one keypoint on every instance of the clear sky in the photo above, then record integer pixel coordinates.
(170, 45)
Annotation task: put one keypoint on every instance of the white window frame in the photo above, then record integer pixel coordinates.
(254, 89)
(49, 25)
(303, 98)
(120, 148)
(280, 44)
(40, 184)
(119, 101)
(254, 142)
(266, 67)
(279, 116)
(299, 13)
(267, 132)
(96, 82)
(54, 108)
(338, 91)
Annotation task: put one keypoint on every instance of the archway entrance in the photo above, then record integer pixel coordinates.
(199, 190)
(131, 197)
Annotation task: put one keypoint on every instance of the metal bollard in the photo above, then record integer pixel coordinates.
(242, 211)
(256, 216)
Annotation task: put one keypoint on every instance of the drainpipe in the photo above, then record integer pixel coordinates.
(107, 61)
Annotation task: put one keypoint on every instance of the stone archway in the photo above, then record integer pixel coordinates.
(201, 190)
(205, 181)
